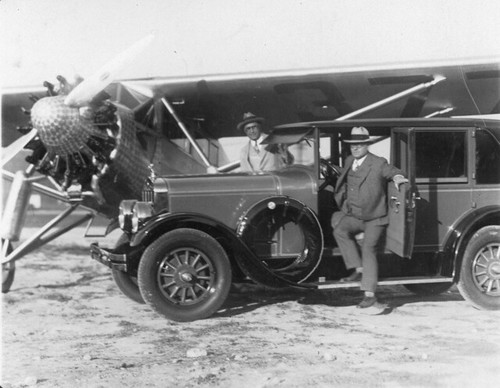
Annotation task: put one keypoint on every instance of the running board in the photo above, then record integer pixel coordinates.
(324, 285)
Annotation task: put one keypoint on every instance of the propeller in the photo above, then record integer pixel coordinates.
(56, 118)
(84, 92)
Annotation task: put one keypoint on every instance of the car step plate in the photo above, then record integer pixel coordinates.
(326, 284)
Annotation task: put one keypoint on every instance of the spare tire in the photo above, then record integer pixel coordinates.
(285, 235)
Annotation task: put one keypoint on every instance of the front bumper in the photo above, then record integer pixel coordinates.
(115, 259)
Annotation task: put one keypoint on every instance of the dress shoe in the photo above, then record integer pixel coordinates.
(368, 301)
(354, 277)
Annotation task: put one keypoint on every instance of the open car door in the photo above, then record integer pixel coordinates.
(401, 203)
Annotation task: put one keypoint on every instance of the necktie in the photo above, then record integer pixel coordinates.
(355, 165)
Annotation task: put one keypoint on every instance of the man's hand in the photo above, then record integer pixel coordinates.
(286, 155)
(399, 180)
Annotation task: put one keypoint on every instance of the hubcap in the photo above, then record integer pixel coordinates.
(486, 269)
(186, 276)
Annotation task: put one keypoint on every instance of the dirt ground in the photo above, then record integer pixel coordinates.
(66, 324)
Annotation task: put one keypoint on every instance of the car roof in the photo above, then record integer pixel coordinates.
(378, 127)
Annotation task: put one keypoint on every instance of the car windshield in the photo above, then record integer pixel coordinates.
(300, 143)
(289, 137)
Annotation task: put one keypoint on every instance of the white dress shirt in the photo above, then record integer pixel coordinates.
(357, 163)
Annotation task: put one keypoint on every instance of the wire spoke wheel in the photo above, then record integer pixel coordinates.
(186, 276)
(479, 281)
(486, 269)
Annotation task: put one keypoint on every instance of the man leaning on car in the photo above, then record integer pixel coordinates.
(361, 195)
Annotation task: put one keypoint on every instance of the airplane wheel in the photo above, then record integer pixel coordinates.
(428, 288)
(126, 283)
(480, 270)
(185, 275)
(8, 272)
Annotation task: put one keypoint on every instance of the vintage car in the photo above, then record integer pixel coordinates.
(191, 236)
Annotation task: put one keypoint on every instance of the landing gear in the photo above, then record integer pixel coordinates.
(8, 269)
(43, 236)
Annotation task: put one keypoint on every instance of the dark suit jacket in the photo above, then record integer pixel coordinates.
(375, 172)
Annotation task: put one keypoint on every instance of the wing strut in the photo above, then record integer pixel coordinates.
(41, 238)
(397, 96)
(210, 169)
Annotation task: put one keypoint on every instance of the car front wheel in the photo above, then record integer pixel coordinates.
(480, 271)
(185, 275)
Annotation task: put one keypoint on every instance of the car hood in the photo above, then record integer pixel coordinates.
(227, 196)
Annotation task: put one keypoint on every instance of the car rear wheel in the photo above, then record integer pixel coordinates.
(480, 270)
(185, 275)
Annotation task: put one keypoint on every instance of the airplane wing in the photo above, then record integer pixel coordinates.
(216, 103)
(471, 87)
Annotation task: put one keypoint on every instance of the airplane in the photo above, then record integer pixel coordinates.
(94, 143)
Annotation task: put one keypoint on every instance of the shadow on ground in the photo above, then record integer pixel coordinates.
(246, 297)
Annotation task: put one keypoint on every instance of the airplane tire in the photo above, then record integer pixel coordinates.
(480, 269)
(185, 275)
(126, 283)
(426, 289)
(8, 273)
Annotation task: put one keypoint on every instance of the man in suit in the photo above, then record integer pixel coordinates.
(361, 194)
(257, 157)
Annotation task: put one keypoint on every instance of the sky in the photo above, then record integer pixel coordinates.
(43, 38)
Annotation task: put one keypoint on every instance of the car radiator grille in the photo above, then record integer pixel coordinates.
(148, 195)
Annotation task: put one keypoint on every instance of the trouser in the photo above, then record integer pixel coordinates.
(353, 256)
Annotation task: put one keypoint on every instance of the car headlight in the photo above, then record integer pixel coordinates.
(141, 212)
(126, 213)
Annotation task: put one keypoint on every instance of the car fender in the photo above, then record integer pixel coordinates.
(464, 229)
(245, 258)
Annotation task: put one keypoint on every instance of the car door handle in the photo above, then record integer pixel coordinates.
(394, 203)
(414, 198)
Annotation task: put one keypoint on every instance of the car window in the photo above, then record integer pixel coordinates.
(487, 158)
(441, 155)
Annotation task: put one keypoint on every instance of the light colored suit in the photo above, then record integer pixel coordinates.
(270, 157)
(362, 199)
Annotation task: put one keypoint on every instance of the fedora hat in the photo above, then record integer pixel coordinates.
(249, 118)
(359, 135)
